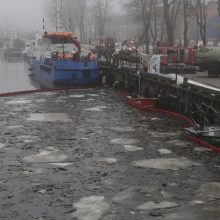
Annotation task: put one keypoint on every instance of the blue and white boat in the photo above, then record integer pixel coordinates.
(61, 64)
(60, 60)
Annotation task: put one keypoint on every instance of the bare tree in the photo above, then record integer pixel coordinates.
(199, 8)
(185, 16)
(171, 10)
(100, 17)
(143, 10)
(76, 11)
(80, 7)
(157, 16)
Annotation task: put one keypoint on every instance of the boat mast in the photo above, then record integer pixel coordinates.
(58, 6)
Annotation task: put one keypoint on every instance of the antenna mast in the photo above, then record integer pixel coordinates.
(58, 6)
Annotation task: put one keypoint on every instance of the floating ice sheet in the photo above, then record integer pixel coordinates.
(123, 129)
(124, 141)
(93, 95)
(209, 190)
(124, 196)
(164, 151)
(13, 127)
(164, 134)
(77, 96)
(108, 161)
(40, 100)
(201, 149)
(90, 208)
(97, 108)
(50, 117)
(28, 141)
(51, 156)
(2, 146)
(179, 143)
(132, 148)
(166, 163)
(161, 205)
(18, 102)
(62, 164)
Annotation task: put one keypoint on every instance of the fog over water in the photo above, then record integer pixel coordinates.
(22, 14)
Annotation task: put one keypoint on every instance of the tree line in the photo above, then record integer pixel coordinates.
(87, 17)
(159, 18)
(165, 14)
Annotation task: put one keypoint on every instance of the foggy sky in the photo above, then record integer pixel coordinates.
(22, 14)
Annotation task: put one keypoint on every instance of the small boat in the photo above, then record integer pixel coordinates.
(12, 54)
(211, 135)
(61, 65)
(60, 60)
(142, 103)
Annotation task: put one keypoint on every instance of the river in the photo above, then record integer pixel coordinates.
(14, 76)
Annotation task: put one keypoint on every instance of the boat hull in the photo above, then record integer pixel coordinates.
(209, 136)
(66, 72)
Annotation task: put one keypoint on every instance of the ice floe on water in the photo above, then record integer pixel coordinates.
(77, 96)
(93, 95)
(123, 129)
(31, 171)
(109, 161)
(97, 108)
(209, 190)
(50, 117)
(28, 141)
(125, 196)
(62, 97)
(104, 107)
(197, 202)
(40, 100)
(48, 155)
(164, 151)
(166, 163)
(60, 100)
(90, 208)
(13, 127)
(177, 142)
(124, 141)
(164, 134)
(132, 148)
(154, 206)
(18, 102)
(201, 149)
(2, 146)
(27, 137)
(155, 119)
(62, 164)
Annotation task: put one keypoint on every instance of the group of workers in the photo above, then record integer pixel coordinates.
(72, 56)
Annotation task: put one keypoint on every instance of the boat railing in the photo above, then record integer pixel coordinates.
(67, 56)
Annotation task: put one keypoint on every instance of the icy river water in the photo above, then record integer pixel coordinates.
(14, 76)
(87, 155)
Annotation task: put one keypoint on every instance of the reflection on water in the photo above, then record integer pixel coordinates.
(14, 76)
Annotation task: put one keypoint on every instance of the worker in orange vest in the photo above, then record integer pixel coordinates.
(91, 56)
